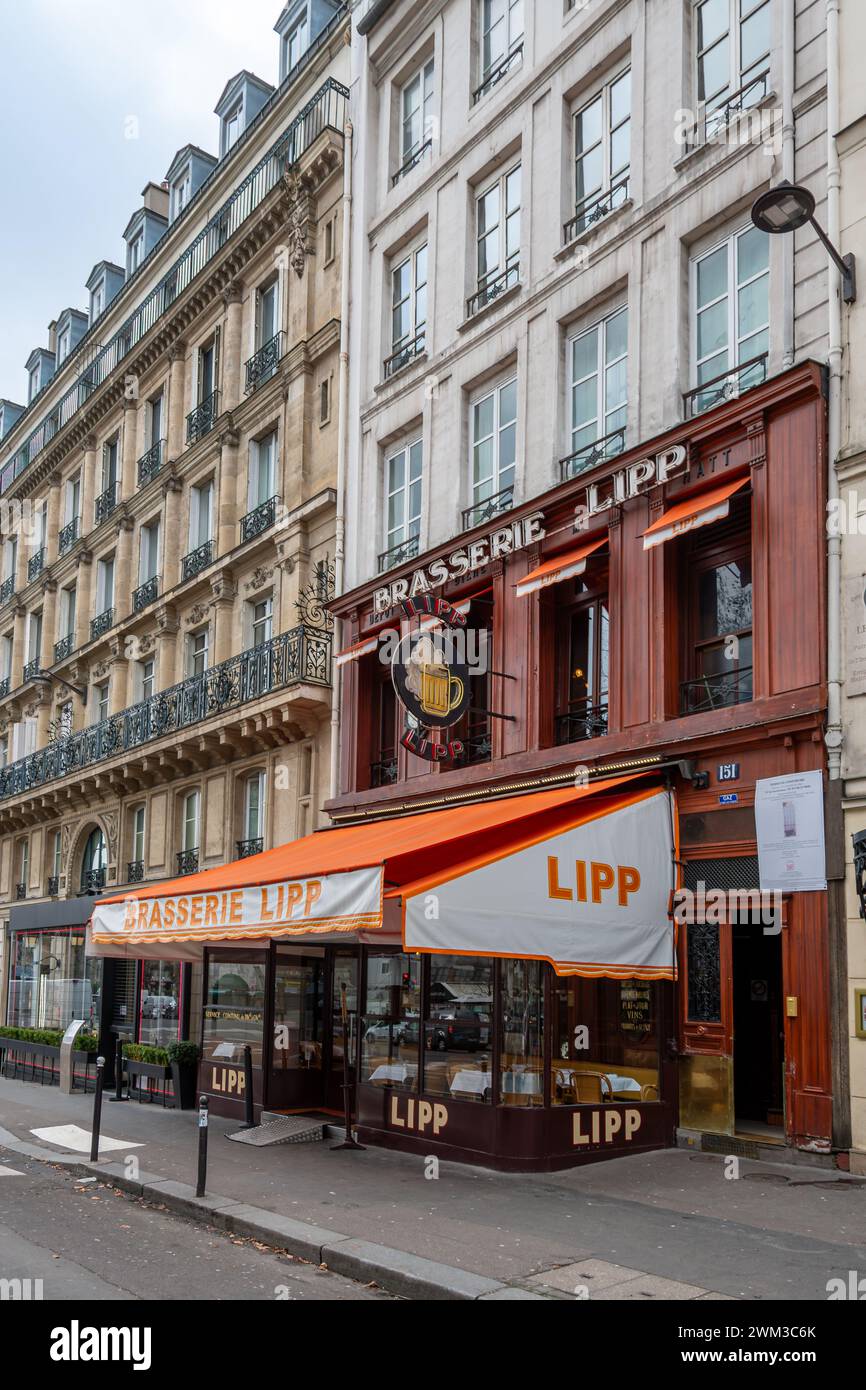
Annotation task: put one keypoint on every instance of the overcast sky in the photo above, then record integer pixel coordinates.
(79, 77)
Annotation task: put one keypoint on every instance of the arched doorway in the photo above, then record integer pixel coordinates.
(94, 862)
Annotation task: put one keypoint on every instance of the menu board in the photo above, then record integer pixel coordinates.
(636, 1008)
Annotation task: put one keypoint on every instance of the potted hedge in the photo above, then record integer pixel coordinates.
(147, 1063)
(183, 1060)
(43, 1044)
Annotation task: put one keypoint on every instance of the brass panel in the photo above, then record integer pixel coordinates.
(707, 1094)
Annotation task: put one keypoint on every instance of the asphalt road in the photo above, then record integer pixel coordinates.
(86, 1241)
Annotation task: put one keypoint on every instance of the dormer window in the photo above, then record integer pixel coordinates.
(63, 346)
(136, 252)
(33, 384)
(181, 192)
(231, 128)
(97, 302)
(296, 43)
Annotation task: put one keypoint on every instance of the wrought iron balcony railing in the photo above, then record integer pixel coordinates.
(262, 365)
(488, 508)
(35, 565)
(201, 421)
(101, 624)
(405, 353)
(150, 463)
(716, 691)
(4, 687)
(725, 387)
(105, 504)
(92, 880)
(590, 721)
(64, 648)
(301, 655)
(187, 861)
(495, 74)
(259, 520)
(383, 773)
(477, 748)
(410, 163)
(247, 848)
(31, 669)
(597, 207)
(7, 589)
(713, 123)
(196, 561)
(20, 891)
(135, 871)
(68, 536)
(607, 447)
(326, 110)
(406, 550)
(492, 287)
(53, 886)
(145, 593)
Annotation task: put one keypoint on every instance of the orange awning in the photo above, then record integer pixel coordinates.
(701, 510)
(567, 566)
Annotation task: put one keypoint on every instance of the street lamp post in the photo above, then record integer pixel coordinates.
(787, 207)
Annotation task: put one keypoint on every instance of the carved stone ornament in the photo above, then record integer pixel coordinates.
(146, 643)
(301, 220)
(196, 615)
(101, 669)
(259, 579)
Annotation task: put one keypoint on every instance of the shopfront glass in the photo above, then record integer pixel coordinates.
(234, 1011)
(458, 1028)
(345, 973)
(521, 1062)
(159, 1005)
(52, 982)
(605, 1041)
(299, 1009)
(390, 1028)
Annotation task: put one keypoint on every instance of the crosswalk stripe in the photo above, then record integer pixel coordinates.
(10, 1172)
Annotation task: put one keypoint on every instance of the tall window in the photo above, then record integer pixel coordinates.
(146, 679)
(733, 54)
(33, 384)
(497, 230)
(296, 43)
(602, 153)
(200, 515)
(416, 114)
(148, 556)
(254, 807)
(231, 128)
(94, 862)
(190, 828)
(56, 855)
(138, 835)
(73, 498)
(494, 450)
(408, 309)
(501, 33)
(598, 360)
(383, 731)
(63, 346)
(104, 585)
(34, 645)
(136, 252)
(263, 453)
(404, 502)
(180, 192)
(717, 564)
(101, 701)
(10, 558)
(68, 608)
(154, 421)
(267, 312)
(206, 371)
(198, 646)
(731, 316)
(6, 656)
(109, 464)
(262, 621)
(582, 656)
(24, 863)
(66, 719)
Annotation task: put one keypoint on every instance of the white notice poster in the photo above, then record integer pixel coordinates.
(789, 819)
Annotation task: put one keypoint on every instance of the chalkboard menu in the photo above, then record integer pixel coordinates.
(636, 1008)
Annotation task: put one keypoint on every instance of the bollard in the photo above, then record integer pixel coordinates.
(202, 1146)
(118, 1072)
(97, 1109)
(249, 1122)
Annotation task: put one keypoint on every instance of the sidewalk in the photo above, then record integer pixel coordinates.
(667, 1225)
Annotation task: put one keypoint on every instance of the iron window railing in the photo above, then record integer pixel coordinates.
(716, 691)
(725, 387)
(31, 669)
(196, 561)
(748, 97)
(577, 725)
(247, 848)
(406, 550)
(4, 687)
(262, 365)
(7, 589)
(150, 463)
(35, 565)
(145, 594)
(201, 421)
(68, 536)
(489, 508)
(302, 654)
(597, 207)
(101, 624)
(496, 74)
(187, 861)
(477, 748)
(414, 159)
(607, 447)
(135, 871)
(53, 886)
(383, 773)
(20, 891)
(491, 288)
(326, 110)
(93, 880)
(105, 504)
(259, 520)
(64, 648)
(405, 353)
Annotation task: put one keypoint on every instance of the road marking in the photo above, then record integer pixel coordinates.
(77, 1139)
(10, 1172)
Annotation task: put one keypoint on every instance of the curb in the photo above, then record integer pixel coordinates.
(396, 1271)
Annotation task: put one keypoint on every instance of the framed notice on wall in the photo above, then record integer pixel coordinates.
(855, 635)
(789, 821)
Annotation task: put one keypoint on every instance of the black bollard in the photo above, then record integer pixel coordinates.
(202, 1146)
(97, 1109)
(118, 1072)
(249, 1122)
(349, 1142)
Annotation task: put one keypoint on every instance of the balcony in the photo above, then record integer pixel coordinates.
(491, 506)
(92, 880)
(35, 565)
(726, 387)
(7, 589)
(196, 561)
(491, 288)
(716, 691)
(607, 447)
(263, 364)
(711, 126)
(150, 463)
(101, 624)
(259, 520)
(4, 687)
(597, 207)
(20, 891)
(53, 886)
(187, 861)
(64, 648)
(145, 594)
(404, 354)
(201, 421)
(68, 536)
(495, 74)
(105, 504)
(409, 164)
(398, 554)
(477, 748)
(589, 721)
(31, 669)
(247, 848)
(298, 658)
(135, 871)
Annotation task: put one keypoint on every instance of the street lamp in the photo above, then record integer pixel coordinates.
(80, 690)
(786, 208)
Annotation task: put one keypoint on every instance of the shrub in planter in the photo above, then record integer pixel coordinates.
(183, 1058)
(143, 1052)
(49, 1037)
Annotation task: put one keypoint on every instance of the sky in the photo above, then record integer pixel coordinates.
(98, 97)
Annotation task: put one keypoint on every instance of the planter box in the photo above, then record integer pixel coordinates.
(149, 1071)
(184, 1082)
(20, 1051)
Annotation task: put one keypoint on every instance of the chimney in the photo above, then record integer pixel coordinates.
(52, 336)
(155, 197)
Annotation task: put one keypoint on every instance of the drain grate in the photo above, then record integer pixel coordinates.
(727, 1144)
(290, 1129)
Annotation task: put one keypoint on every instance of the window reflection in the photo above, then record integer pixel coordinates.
(299, 995)
(522, 1024)
(159, 1002)
(458, 1029)
(52, 982)
(390, 1031)
(234, 1011)
(605, 1041)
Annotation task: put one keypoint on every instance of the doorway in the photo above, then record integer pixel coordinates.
(296, 1068)
(758, 1031)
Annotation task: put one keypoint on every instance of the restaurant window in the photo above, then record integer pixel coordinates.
(390, 1028)
(521, 1062)
(718, 582)
(475, 729)
(234, 1011)
(299, 1009)
(598, 366)
(730, 289)
(52, 981)
(602, 154)
(159, 1002)
(582, 656)
(345, 973)
(497, 235)
(732, 51)
(458, 1029)
(605, 1041)
(494, 452)
(383, 720)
